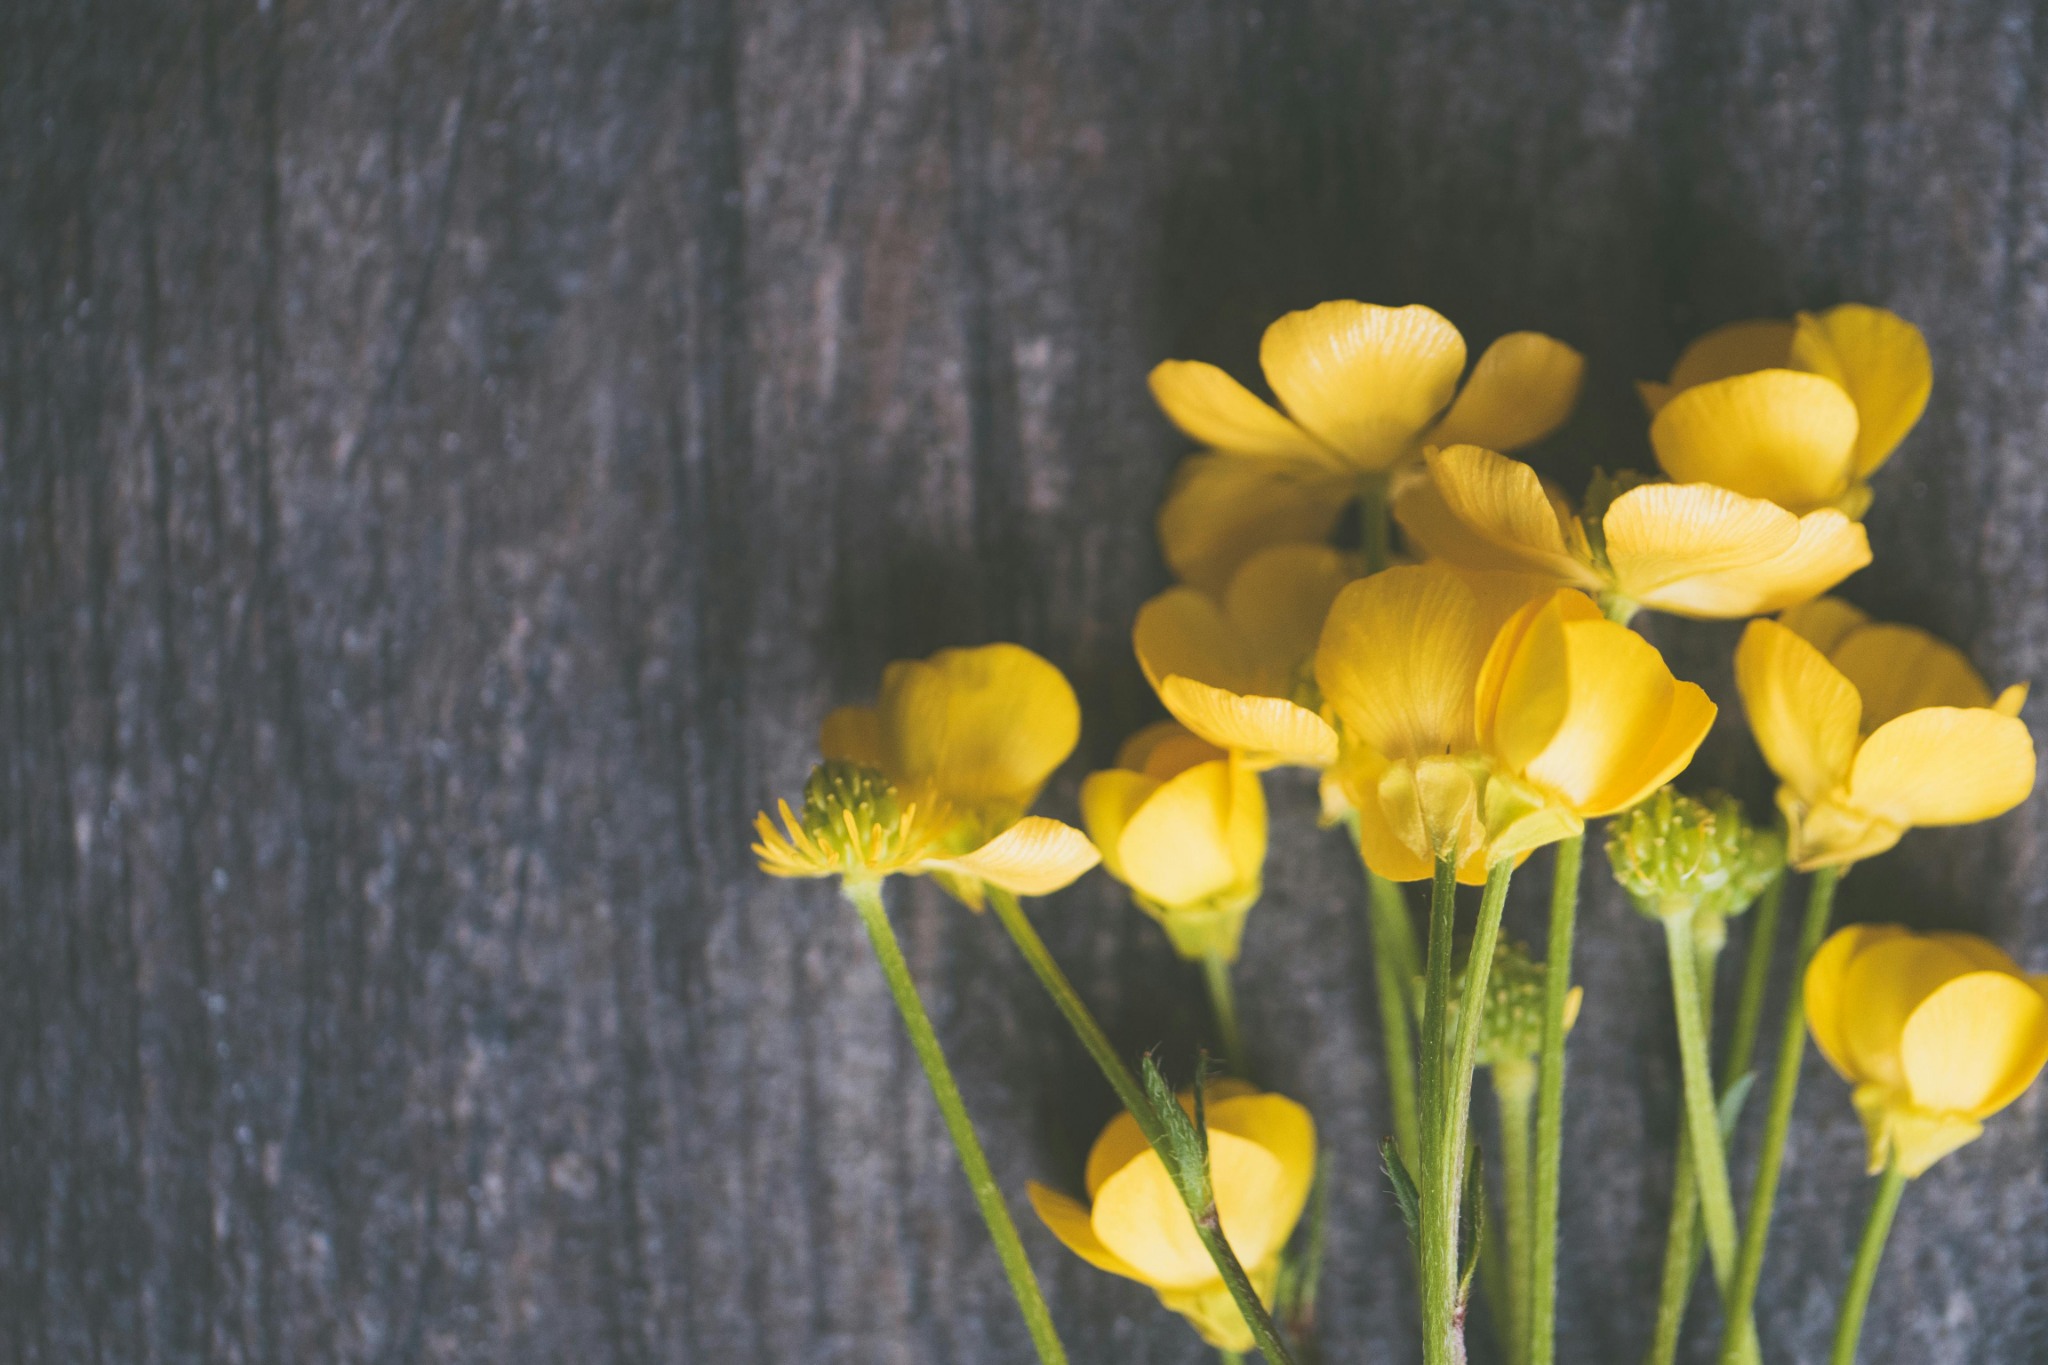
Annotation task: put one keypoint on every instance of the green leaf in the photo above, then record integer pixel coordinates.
(1188, 1159)
(1405, 1193)
(1473, 1216)
(1732, 1101)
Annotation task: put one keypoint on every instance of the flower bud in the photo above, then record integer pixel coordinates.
(1675, 855)
(1511, 1023)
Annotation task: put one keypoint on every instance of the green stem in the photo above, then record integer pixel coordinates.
(1618, 609)
(1856, 1294)
(1395, 968)
(1374, 534)
(1557, 982)
(1224, 1357)
(867, 899)
(1702, 1116)
(1223, 1002)
(1438, 1273)
(1514, 1093)
(1682, 1234)
(1756, 975)
(1207, 1227)
(1763, 1197)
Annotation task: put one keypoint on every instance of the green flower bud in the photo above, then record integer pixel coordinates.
(1511, 1025)
(1675, 855)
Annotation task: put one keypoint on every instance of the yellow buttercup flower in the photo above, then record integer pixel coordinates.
(1873, 729)
(1491, 713)
(1800, 412)
(1262, 1158)
(1937, 1032)
(1692, 549)
(1234, 667)
(936, 778)
(1364, 388)
(1183, 824)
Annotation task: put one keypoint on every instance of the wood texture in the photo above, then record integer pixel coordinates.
(452, 454)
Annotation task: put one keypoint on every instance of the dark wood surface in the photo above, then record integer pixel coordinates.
(451, 455)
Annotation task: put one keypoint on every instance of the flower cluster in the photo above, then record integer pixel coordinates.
(1373, 588)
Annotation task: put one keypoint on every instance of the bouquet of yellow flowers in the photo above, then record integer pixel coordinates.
(1373, 588)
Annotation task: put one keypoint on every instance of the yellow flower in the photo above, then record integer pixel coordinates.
(1693, 549)
(1262, 1158)
(936, 778)
(1183, 824)
(1937, 1032)
(1799, 412)
(1873, 729)
(1491, 713)
(1364, 387)
(1234, 667)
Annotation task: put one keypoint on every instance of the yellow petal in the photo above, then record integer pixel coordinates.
(1732, 349)
(1661, 533)
(853, 733)
(1944, 766)
(1828, 549)
(1801, 709)
(1402, 651)
(1434, 531)
(1034, 857)
(1213, 1312)
(984, 727)
(1776, 434)
(1884, 983)
(1522, 389)
(1175, 848)
(1284, 1129)
(1245, 831)
(1975, 1044)
(1824, 622)
(1067, 1218)
(1276, 604)
(1981, 953)
(1108, 801)
(1827, 1006)
(1221, 413)
(1917, 1139)
(1120, 1143)
(1379, 843)
(2011, 700)
(1267, 731)
(1881, 360)
(1183, 631)
(1365, 379)
(1506, 505)
(1899, 669)
(1139, 1216)
(1221, 509)
(1164, 748)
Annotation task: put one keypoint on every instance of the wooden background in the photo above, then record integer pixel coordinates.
(452, 454)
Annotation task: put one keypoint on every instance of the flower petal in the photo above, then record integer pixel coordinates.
(984, 727)
(1522, 389)
(1285, 1129)
(1108, 801)
(1776, 434)
(1434, 531)
(1381, 846)
(1221, 509)
(1731, 349)
(1663, 532)
(1140, 1218)
(1267, 731)
(1184, 631)
(1363, 378)
(1900, 668)
(1175, 849)
(1881, 360)
(1801, 709)
(1067, 1219)
(1823, 622)
(1944, 765)
(1975, 1044)
(853, 733)
(1034, 857)
(1886, 980)
(1223, 414)
(1164, 748)
(1276, 604)
(1827, 1005)
(1506, 505)
(1119, 1144)
(1828, 549)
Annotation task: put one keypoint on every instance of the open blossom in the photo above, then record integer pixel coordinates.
(936, 778)
(1235, 666)
(1262, 1160)
(1875, 728)
(1183, 824)
(1937, 1032)
(1489, 713)
(1800, 412)
(1692, 549)
(1362, 389)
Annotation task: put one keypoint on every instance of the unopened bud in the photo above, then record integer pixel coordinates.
(1674, 854)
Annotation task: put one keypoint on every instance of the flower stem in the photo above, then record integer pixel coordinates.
(1682, 1234)
(1395, 969)
(1756, 975)
(1514, 1093)
(1223, 1003)
(1557, 982)
(1741, 1295)
(1702, 1116)
(1375, 536)
(1856, 1294)
(867, 899)
(1207, 1227)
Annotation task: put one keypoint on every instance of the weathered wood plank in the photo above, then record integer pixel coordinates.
(451, 456)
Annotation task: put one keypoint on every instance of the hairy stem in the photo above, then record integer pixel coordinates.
(1223, 1004)
(1557, 983)
(1869, 1251)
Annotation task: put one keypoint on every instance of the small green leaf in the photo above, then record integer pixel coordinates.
(1473, 1216)
(1732, 1101)
(1405, 1194)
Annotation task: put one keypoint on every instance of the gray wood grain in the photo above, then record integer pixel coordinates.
(451, 455)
